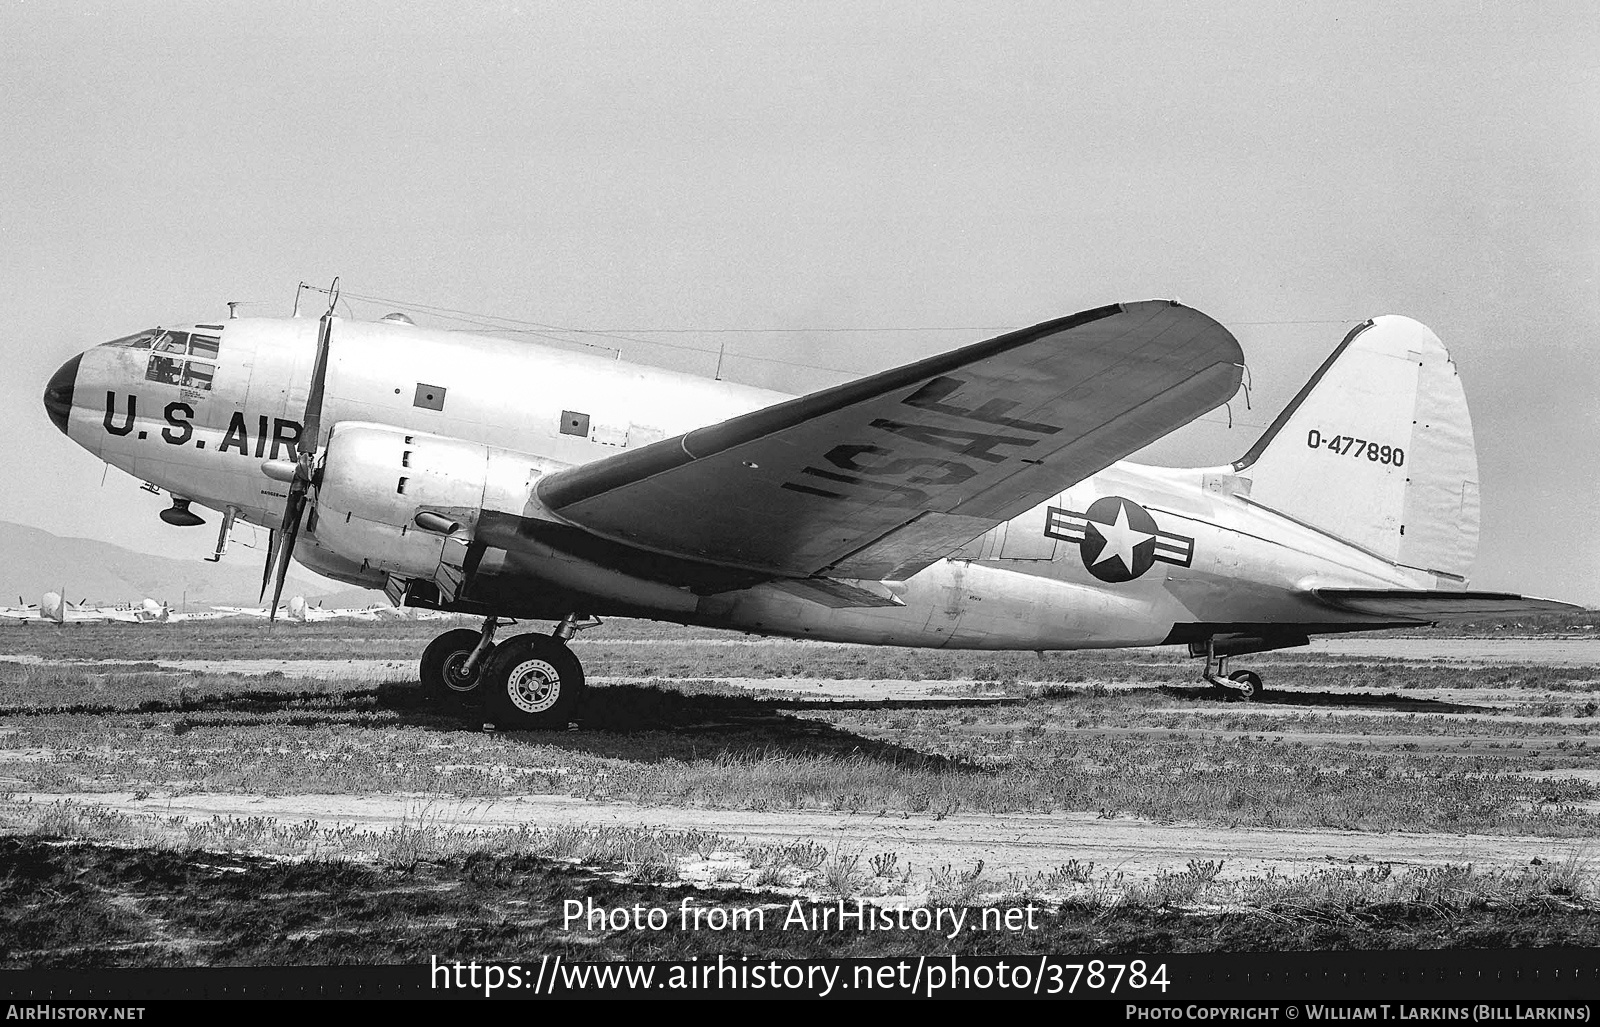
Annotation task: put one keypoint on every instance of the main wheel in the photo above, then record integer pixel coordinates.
(442, 679)
(531, 683)
(1247, 683)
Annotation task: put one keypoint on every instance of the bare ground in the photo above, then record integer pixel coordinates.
(1020, 844)
(1010, 846)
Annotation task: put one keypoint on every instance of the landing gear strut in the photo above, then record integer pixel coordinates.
(452, 665)
(1244, 683)
(533, 682)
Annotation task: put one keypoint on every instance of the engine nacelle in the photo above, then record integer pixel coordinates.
(377, 479)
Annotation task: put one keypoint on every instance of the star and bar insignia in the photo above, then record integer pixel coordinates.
(1118, 539)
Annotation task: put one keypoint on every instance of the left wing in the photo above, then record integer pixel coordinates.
(878, 478)
(1430, 606)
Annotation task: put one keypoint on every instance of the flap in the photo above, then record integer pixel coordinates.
(1430, 606)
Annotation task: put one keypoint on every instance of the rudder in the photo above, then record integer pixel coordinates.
(1377, 450)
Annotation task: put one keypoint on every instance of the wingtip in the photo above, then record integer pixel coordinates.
(1165, 301)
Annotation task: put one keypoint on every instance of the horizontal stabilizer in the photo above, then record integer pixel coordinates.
(1429, 606)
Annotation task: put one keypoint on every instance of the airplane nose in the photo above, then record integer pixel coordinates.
(58, 394)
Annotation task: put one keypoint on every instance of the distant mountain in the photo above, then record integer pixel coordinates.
(33, 561)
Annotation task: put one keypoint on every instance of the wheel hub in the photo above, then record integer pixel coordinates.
(453, 678)
(533, 686)
(1246, 683)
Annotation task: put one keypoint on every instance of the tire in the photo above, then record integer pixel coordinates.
(441, 661)
(531, 683)
(1247, 683)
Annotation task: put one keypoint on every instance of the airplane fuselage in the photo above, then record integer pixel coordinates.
(1133, 555)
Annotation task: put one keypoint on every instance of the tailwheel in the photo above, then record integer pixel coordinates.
(1247, 683)
(445, 675)
(531, 683)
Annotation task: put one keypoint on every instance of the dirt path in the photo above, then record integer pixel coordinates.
(1550, 652)
(1556, 652)
(1023, 844)
(322, 670)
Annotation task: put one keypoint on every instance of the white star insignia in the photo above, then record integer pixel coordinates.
(1121, 539)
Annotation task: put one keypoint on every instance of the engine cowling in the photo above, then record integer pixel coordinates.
(398, 506)
(376, 481)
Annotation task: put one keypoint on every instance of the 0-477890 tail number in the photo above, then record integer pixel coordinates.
(1349, 445)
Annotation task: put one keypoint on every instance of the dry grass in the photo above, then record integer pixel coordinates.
(1359, 747)
(706, 745)
(440, 830)
(436, 829)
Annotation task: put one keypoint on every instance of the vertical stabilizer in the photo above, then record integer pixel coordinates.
(1377, 450)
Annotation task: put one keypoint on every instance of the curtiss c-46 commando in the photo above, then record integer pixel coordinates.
(978, 499)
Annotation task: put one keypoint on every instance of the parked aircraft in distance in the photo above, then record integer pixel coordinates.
(23, 611)
(375, 612)
(297, 609)
(53, 609)
(975, 499)
(294, 609)
(380, 612)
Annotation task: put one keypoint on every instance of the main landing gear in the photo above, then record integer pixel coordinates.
(528, 682)
(1246, 684)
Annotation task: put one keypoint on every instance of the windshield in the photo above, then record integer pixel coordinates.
(185, 359)
(140, 340)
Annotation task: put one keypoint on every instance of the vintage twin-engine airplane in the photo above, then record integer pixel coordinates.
(297, 609)
(53, 609)
(973, 500)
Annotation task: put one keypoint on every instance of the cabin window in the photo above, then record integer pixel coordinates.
(429, 397)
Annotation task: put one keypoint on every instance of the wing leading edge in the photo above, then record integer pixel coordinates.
(877, 478)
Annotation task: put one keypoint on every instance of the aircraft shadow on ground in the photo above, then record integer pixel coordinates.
(232, 702)
(644, 722)
(634, 722)
(1342, 700)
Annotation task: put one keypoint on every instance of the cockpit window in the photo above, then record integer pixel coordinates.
(171, 342)
(141, 340)
(167, 363)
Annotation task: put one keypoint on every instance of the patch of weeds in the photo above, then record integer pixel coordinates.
(951, 887)
(806, 855)
(841, 875)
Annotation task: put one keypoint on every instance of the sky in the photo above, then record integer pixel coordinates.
(940, 169)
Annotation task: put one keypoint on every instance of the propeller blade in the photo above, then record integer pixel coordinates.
(305, 456)
(291, 529)
(272, 557)
(312, 424)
